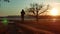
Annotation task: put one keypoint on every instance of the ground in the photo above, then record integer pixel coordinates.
(43, 26)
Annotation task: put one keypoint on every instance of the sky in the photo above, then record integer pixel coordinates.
(14, 7)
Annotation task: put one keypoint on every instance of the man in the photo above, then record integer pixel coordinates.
(22, 15)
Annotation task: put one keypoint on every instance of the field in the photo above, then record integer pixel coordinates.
(43, 26)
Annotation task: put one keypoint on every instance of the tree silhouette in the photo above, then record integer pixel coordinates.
(36, 9)
(6, 0)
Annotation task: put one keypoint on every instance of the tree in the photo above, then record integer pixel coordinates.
(6, 0)
(36, 9)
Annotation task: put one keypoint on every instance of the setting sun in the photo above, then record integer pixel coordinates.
(54, 12)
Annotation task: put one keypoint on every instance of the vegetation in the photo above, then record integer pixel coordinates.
(6, 0)
(37, 9)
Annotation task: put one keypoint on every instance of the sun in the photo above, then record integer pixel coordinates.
(54, 12)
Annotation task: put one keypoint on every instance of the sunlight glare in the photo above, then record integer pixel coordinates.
(54, 12)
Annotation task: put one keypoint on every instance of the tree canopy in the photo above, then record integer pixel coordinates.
(6, 0)
(37, 9)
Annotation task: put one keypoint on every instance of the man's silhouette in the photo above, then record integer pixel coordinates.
(22, 15)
